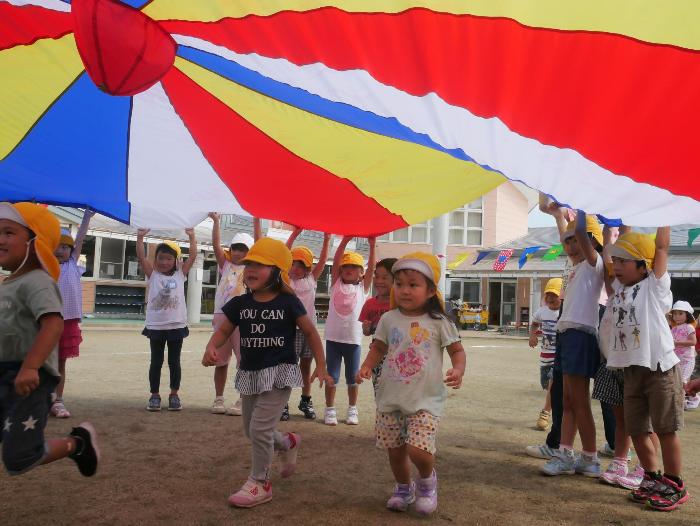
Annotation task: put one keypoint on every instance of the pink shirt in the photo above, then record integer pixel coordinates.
(681, 332)
(71, 290)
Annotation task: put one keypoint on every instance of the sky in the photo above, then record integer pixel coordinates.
(537, 218)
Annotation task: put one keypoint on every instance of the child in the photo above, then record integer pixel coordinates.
(230, 264)
(67, 254)
(375, 307)
(411, 390)
(683, 331)
(30, 328)
(304, 277)
(349, 290)
(268, 317)
(166, 313)
(545, 319)
(642, 345)
(577, 353)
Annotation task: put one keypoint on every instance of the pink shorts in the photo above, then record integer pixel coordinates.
(71, 338)
(232, 345)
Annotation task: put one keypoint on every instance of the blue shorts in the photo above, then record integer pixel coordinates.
(336, 353)
(546, 375)
(577, 353)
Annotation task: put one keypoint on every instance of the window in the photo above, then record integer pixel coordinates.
(112, 258)
(466, 225)
(132, 269)
(87, 256)
(419, 233)
(468, 291)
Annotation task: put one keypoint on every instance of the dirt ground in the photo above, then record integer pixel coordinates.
(179, 468)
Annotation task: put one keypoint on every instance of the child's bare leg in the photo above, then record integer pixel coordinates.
(305, 366)
(644, 447)
(424, 461)
(62, 382)
(581, 400)
(58, 448)
(622, 439)
(568, 420)
(330, 396)
(671, 453)
(400, 466)
(548, 398)
(220, 372)
(352, 394)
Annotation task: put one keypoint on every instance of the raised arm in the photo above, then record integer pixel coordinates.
(584, 242)
(335, 271)
(371, 262)
(146, 265)
(216, 240)
(187, 265)
(553, 209)
(322, 257)
(663, 241)
(257, 229)
(293, 236)
(82, 231)
(608, 235)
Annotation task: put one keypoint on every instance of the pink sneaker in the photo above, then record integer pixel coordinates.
(633, 479)
(289, 457)
(613, 473)
(426, 498)
(403, 496)
(251, 494)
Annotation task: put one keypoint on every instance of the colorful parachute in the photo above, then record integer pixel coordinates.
(351, 116)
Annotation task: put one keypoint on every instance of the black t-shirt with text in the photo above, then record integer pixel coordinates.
(267, 329)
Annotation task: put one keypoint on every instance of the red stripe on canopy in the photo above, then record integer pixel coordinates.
(22, 25)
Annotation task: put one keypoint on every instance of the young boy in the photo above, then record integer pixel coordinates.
(30, 327)
(545, 319)
(642, 345)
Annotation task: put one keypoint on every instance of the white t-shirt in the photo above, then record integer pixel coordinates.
(547, 318)
(411, 378)
(166, 301)
(640, 333)
(230, 285)
(344, 308)
(305, 289)
(583, 285)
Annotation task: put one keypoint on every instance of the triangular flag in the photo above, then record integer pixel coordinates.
(692, 234)
(553, 252)
(502, 259)
(458, 260)
(526, 255)
(481, 255)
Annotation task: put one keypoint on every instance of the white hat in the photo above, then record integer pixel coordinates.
(7, 211)
(685, 307)
(242, 239)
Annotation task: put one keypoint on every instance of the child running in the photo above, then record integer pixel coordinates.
(350, 284)
(304, 277)
(30, 328)
(545, 320)
(67, 254)
(642, 345)
(411, 390)
(166, 313)
(683, 331)
(230, 285)
(375, 307)
(268, 317)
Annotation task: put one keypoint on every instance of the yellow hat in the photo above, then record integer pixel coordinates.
(304, 255)
(271, 252)
(66, 239)
(554, 286)
(352, 258)
(636, 246)
(46, 228)
(592, 227)
(426, 264)
(174, 246)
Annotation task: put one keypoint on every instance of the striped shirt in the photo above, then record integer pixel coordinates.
(71, 290)
(547, 318)
(262, 380)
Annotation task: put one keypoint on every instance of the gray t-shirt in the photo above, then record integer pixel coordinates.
(412, 378)
(23, 301)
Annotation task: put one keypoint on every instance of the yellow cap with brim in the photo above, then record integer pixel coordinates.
(426, 264)
(554, 286)
(635, 246)
(592, 227)
(175, 247)
(304, 255)
(352, 258)
(46, 228)
(66, 239)
(273, 253)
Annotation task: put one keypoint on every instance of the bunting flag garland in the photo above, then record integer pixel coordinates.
(458, 260)
(502, 259)
(553, 253)
(526, 255)
(481, 255)
(693, 233)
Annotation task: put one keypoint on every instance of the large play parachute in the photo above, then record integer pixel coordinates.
(351, 116)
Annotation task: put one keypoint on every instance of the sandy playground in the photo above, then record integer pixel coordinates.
(179, 468)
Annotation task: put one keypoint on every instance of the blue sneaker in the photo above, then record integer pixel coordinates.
(587, 466)
(563, 463)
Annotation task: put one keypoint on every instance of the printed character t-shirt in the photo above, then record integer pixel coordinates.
(267, 329)
(547, 318)
(411, 378)
(230, 285)
(166, 301)
(344, 308)
(681, 332)
(583, 285)
(372, 311)
(23, 300)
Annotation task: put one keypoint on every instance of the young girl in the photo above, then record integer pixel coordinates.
(30, 328)
(67, 254)
(411, 390)
(349, 289)
(304, 276)
(683, 330)
(166, 313)
(230, 264)
(267, 317)
(375, 307)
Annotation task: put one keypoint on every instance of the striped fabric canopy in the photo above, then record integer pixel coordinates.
(354, 116)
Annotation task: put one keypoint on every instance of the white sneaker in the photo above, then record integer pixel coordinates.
(330, 418)
(218, 407)
(692, 402)
(235, 409)
(353, 416)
